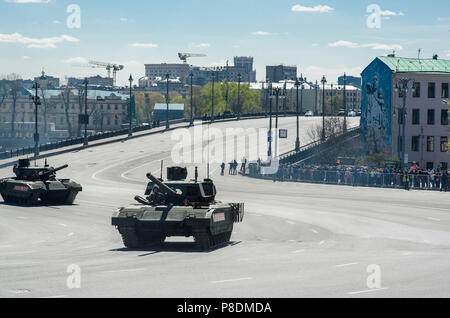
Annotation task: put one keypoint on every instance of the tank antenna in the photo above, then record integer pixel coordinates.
(162, 166)
(196, 174)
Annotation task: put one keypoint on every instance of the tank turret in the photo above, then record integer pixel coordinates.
(24, 172)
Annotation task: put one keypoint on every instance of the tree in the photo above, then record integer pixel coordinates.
(15, 85)
(145, 103)
(334, 105)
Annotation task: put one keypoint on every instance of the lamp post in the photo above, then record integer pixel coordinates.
(37, 101)
(192, 99)
(130, 131)
(86, 119)
(212, 95)
(345, 102)
(285, 100)
(401, 86)
(324, 81)
(239, 95)
(269, 93)
(167, 102)
(299, 83)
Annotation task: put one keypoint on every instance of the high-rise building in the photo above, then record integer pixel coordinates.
(277, 73)
(246, 63)
(155, 71)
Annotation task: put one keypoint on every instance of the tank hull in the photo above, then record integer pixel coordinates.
(142, 225)
(39, 192)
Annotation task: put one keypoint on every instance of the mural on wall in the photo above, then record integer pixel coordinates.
(376, 109)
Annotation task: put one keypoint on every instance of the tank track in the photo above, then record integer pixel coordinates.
(131, 238)
(31, 200)
(206, 241)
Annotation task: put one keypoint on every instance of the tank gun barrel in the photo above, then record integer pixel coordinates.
(161, 185)
(52, 170)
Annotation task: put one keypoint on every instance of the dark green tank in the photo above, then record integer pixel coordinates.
(34, 185)
(185, 209)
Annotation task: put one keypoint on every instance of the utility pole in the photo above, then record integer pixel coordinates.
(285, 99)
(37, 101)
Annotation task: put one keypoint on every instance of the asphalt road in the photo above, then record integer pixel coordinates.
(297, 240)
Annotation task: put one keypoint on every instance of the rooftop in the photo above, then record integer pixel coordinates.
(416, 65)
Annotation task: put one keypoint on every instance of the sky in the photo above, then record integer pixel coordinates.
(319, 37)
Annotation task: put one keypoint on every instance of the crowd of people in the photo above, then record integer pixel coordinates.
(415, 177)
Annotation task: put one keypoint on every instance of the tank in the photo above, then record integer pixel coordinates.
(34, 185)
(189, 209)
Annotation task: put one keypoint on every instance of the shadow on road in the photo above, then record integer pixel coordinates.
(173, 247)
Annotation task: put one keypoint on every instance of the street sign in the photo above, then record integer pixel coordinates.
(283, 133)
(269, 139)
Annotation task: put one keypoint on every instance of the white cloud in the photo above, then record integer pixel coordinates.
(261, 33)
(26, 57)
(76, 60)
(373, 46)
(46, 43)
(29, 1)
(56, 22)
(144, 45)
(315, 44)
(318, 8)
(124, 20)
(201, 45)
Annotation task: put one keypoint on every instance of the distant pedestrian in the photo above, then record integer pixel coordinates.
(406, 180)
(222, 167)
(444, 181)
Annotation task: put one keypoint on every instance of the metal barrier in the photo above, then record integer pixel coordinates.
(438, 182)
(105, 135)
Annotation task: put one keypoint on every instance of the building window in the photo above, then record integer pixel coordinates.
(430, 165)
(431, 90)
(416, 92)
(415, 144)
(430, 144)
(444, 90)
(431, 117)
(444, 144)
(416, 117)
(444, 117)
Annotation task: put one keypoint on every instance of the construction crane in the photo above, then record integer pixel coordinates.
(184, 58)
(109, 67)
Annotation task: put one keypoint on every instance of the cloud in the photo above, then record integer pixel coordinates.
(40, 43)
(261, 33)
(144, 45)
(201, 45)
(315, 44)
(26, 57)
(124, 20)
(76, 60)
(29, 1)
(318, 8)
(373, 46)
(332, 73)
(56, 22)
(391, 13)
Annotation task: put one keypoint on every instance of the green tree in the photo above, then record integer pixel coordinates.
(334, 105)
(145, 103)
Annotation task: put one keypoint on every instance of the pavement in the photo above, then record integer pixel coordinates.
(297, 240)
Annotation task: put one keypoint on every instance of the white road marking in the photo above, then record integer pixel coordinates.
(58, 296)
(291, 223)
(346, 265)
(62, 224)
(298, 252)
(231, 280)
(315, 232)
(434, 219)
(126, 270)
(37, 242)
(367, 291)
(70, 234)
(406, 254)
(322, 242)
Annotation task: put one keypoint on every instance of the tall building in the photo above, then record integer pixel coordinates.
(427, 105)
(154, 71)
(351, 80)
(279, 73)
(246, 63)
(92, 81)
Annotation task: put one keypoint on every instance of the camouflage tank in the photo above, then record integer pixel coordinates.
(189, 209)
(33, 185)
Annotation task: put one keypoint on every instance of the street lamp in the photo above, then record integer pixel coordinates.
(86, 118)
(269, 93)
(324, 81)
(212, 95)
(401, 86)
(167, 102)
(277, 93)
(37, 101)
(192, 100)
(299, 82)
(345, 102)
(130, 131)
(239, 95)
